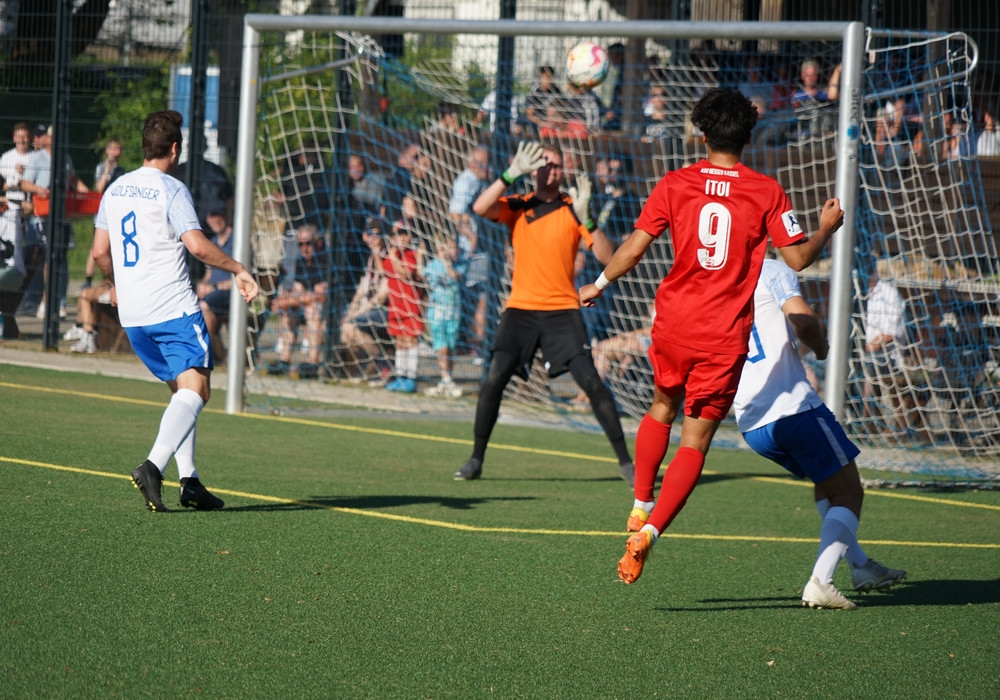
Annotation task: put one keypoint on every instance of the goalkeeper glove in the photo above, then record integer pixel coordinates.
(580, 194)
(527, 159)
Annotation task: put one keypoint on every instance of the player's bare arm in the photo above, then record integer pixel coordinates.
(806, 326)
(804, 254)
(622, 262)
(210, 254)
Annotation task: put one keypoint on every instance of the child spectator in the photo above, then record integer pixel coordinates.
(444, 276)
(405, 322)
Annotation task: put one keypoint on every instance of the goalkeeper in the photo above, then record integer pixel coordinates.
(543, 310)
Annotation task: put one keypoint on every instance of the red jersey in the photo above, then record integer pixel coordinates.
(719, 221)
(405, 314)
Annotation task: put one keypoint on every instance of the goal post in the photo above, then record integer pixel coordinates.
(851, 36)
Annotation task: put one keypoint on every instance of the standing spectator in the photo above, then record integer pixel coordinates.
(406, 323)
(720, 214)
(108, 170)
(582, 106)
(465, 190)
(488, 113)
(811, 102)
(302, 301)
(444, 276)
(215, 191)
(157, 307)
(546, 228)
(542, 92)
(885, 338)
(447, 121)
(36, 181)
(13, 164)
(615, 83)
(782, 418)
(658, 122)
(366, 190)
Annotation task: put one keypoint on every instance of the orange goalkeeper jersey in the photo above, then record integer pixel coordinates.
(545, 237)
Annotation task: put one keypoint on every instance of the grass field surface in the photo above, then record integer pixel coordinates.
(347, 563)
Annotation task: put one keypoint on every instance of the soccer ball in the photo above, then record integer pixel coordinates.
(587, 65)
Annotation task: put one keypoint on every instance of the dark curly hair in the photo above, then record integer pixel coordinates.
(726, 117)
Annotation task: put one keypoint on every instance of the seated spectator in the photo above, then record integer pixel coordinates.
(364, 330)
(988, 143)
(622, 350)
(559, 124)
(889, 141)
(302, 301)
(213, 290)
(658, 123)
(488, 113)
(583, 106)
(85, 330)
(399, 182)
(542, 92)
(447, 121)
(810, 101)
(771, 129)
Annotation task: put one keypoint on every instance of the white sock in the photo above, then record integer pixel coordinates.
(856, 555)
(407, 361)
(840, 526)
(645, 505)
(649, 528)
(178, 420)
(184, 456)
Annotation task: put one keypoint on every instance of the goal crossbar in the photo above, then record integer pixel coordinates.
(851, 34)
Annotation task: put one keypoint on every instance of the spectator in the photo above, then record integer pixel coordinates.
(488, 110)
(546, 228)
(611, 119)
(559, 124)
(13, 165)
(988, 143)
(469, 184)
(542, 92)
(890, 143)
(624, 350)
(305, 189)
(658, 122)
(885, 339)
(753, 85)
(157, 307)
(108, 170)
(36, 181)
(399, 182)
(303, 301)
(696, 359)
(957, 143)
(770, 130)
(582, 106)
(447, 121)
(811, 102)
(213, 291)
(444, 276)
(783, 419)
(364, 330)
(11, 264)
(366, 190)
(85, 330)
(406, 324)
(215, 192)
(614, 207)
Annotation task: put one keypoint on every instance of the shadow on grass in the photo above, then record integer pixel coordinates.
(925, 593)
(372, 503)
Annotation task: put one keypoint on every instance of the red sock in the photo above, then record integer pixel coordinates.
(651, 442)
(678, 482)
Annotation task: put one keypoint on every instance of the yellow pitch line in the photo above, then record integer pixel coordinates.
(482, 529)
(463, 441)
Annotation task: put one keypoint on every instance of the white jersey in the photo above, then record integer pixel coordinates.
(773, 384)
(145, 213)
(9, 163)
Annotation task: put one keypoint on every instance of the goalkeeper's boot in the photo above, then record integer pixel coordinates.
(824, 595)
(873, 576)
(636, 519)
(636, 550)
(149, 481)
(195, 495)
(473, 469)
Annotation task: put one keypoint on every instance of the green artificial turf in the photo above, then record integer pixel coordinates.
(347, 563)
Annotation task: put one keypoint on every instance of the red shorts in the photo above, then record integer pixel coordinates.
(707, 379)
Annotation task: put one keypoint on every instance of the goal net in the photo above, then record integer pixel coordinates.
(352, 142)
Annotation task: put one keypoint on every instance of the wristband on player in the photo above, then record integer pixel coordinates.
(591, 226)
(602, 282)
(507, 178)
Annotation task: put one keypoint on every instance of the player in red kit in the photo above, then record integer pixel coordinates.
(720, 214)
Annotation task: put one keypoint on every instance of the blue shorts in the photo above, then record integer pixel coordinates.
(444, 334)
(173, 347)
(810, 445)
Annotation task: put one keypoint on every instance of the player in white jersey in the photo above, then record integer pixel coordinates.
(145, 224)
(782, 418)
